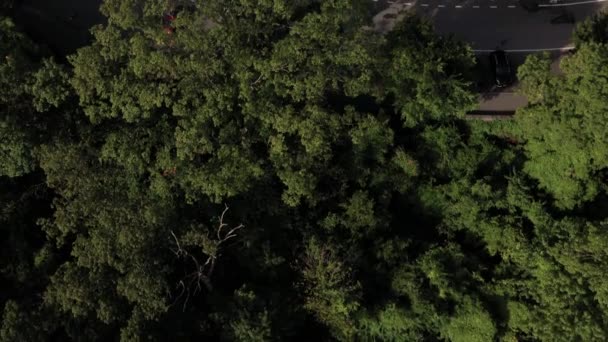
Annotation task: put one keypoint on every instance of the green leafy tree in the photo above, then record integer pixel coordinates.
(564, 129)
(425, 72)
(369, 209)
(16, 157)
(330, 295)
(592, 29)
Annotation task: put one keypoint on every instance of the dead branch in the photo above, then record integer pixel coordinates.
(179, 252)
(192, 282)
(257, 80)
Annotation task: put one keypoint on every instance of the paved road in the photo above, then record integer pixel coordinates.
(488, 24)
(491, 24)
(510, 28)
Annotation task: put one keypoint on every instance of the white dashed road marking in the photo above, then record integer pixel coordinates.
(562, 49)
(552, 3)
(571, 3)
(405, 4)
(461, 6)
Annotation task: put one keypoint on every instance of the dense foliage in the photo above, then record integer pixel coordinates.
(276, 170)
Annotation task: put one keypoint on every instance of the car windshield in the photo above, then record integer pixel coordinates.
(501, 64)
(503, 69)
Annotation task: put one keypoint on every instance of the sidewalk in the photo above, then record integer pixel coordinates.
(501, 102)
(496, 101)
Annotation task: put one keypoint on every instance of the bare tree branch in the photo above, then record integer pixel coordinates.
(193, 282)
(179, 250)
(222, 224)
(257, 80)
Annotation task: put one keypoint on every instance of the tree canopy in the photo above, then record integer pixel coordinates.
(274, 170)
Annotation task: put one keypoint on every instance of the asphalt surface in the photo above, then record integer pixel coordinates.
(61, 24)
(510, 28)
(490, 24)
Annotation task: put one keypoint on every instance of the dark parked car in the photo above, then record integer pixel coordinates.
(501, 67)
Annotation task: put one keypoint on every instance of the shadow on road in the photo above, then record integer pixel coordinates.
(62, 25)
